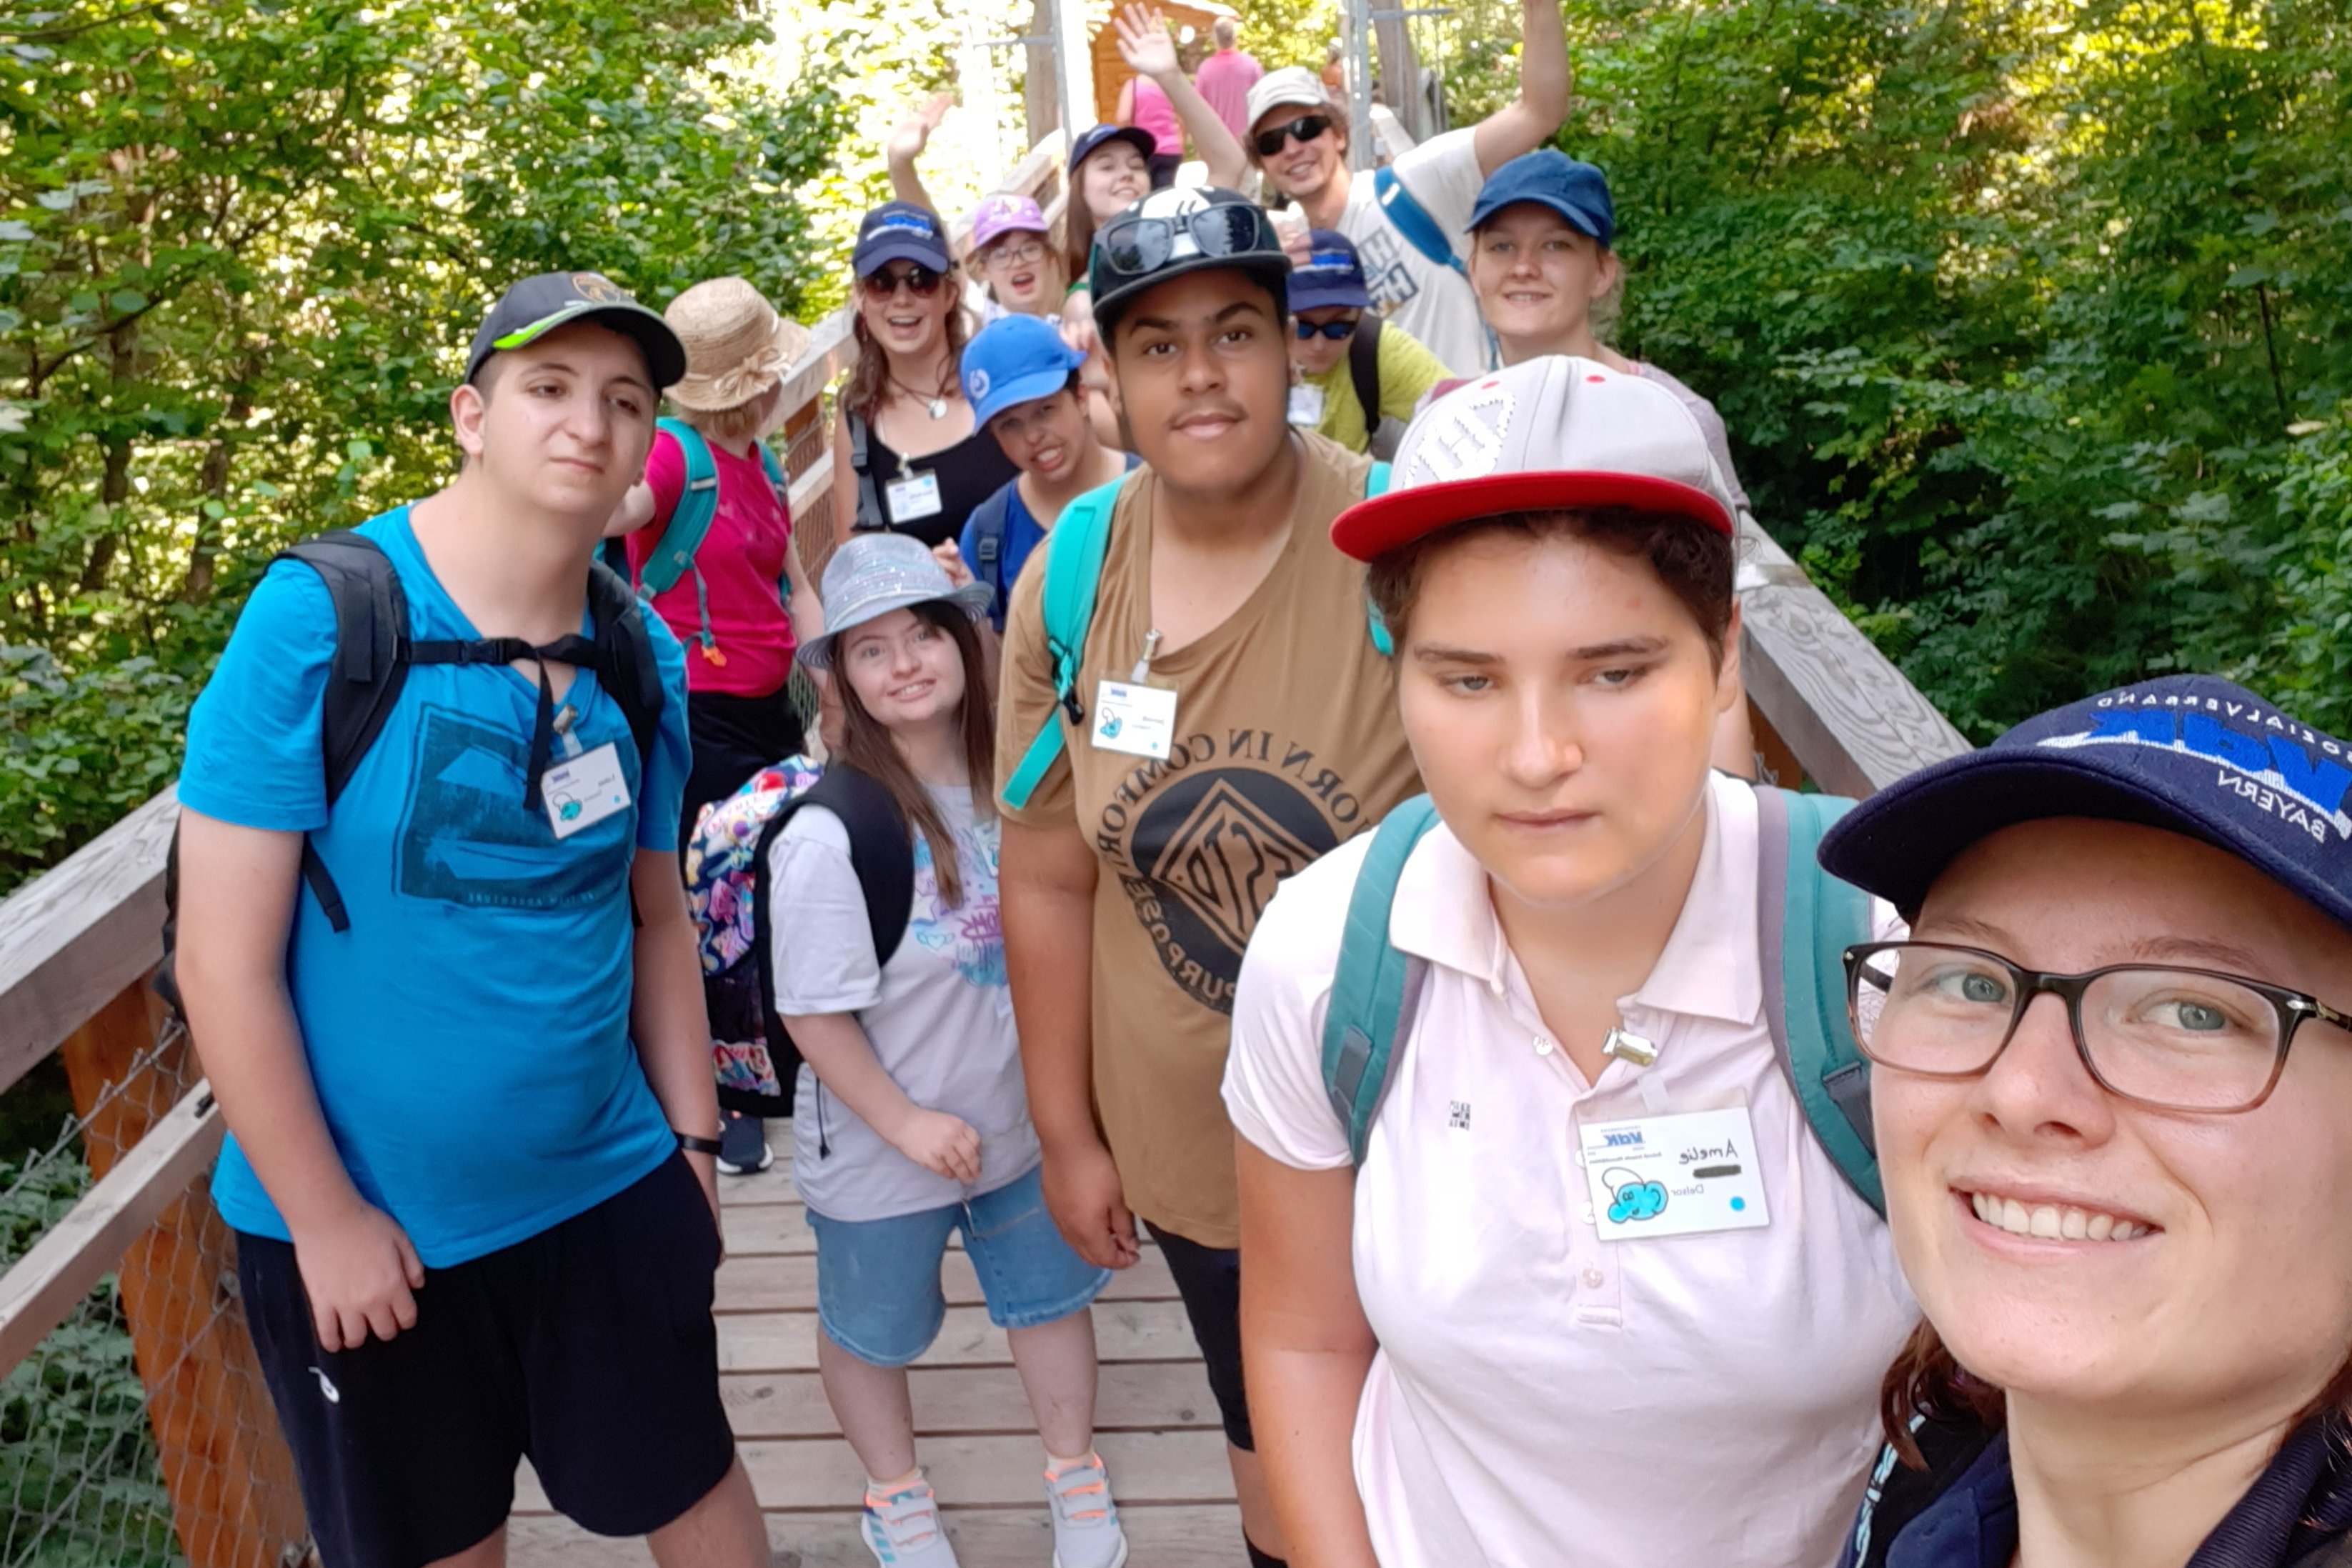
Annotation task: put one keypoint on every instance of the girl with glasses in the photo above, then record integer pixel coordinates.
(908, 457)
(1012, 257)
(2110, 1085)
(1591, 1286)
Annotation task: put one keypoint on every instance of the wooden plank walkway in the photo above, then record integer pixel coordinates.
(1157, 1424)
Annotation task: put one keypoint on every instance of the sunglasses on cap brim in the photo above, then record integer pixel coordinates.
(1304, 129)
(1139, 247)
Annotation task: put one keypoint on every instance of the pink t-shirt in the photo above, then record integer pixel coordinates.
(742, 560)
(1224, 79)
(1153, 112)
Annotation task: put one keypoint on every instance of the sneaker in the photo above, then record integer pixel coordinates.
(743, 1145)
(903, 1529)
(1085, 1521)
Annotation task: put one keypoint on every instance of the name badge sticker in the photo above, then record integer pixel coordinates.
(1137, 720)
(1306, 405)
(583, 790)
(916, 496)
(1676, 1174)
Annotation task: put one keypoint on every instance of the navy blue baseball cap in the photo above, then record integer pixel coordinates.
(1576, 191)
(1094, 136)
(1013, 361)
(2189, 754)
(1332, 273)
(900, 231)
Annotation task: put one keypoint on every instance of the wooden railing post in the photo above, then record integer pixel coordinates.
(235, 1501)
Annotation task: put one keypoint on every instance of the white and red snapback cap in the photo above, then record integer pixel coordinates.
(1551, 432)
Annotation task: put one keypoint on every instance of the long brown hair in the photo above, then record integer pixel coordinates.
(869, 378)
(868, 746)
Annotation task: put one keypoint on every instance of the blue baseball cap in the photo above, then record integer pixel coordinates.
(2189, 754)
(1332, 273)
(900, 231)
(1013, 361)
(1094, 136)
(1577, 192)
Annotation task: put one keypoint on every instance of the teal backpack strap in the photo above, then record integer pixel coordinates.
(1375, 986)
(1074, 562)
(1376, 483)
(690, 520)
(1804, 981)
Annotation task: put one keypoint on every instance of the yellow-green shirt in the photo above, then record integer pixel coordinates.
(1407, 371)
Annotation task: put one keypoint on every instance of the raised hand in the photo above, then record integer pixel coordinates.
(1144, 42)
(914, 132)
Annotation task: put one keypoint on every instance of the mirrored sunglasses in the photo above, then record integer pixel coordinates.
(1136, 247)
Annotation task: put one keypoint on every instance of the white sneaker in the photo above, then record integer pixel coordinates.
(1086, 1532)
(903, 1529)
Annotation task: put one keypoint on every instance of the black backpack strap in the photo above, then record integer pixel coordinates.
(629, 669)
(363, 683)
(1364, 369)
(869, 519)
(991, 523)
(881, 850)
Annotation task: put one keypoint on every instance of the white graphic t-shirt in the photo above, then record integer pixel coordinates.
(939, 1014)
(1427, 298)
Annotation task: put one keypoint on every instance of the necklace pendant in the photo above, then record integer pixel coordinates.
(1629, 1048)
(939, 408)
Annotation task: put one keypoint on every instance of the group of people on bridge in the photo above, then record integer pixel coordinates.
(1283, 790)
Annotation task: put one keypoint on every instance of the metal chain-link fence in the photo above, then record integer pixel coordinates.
(138, 1430)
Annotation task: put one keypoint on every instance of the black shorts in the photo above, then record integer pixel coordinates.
(588, 1348)
(1209, 1280)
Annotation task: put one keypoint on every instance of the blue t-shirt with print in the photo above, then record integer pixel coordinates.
(468, 1035)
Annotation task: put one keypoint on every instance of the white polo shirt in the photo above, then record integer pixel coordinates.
(1543, 1397)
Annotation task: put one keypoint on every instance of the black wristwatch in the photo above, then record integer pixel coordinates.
(694, 1145)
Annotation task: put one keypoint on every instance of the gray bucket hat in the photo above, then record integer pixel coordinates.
(876, 573)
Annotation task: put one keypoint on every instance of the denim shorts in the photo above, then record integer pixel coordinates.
(877, 1280)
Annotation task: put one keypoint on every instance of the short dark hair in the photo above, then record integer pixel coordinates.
(1106, 320)
(1693, 562)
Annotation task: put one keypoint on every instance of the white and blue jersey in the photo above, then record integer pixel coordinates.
(468, 1035)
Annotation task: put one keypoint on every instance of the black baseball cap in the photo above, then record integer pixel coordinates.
(537, 306)
(2191, 754)
(899, 231)
(1171, 233)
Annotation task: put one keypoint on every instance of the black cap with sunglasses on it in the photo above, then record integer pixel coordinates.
(537, 306)
(900, 231)
(1171, 233)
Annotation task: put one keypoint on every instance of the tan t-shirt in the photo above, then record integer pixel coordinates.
(1287, 745)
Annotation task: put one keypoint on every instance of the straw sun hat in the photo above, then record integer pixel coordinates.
(737, 347)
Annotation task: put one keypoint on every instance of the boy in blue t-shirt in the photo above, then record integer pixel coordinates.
(455, 1017)
(1023, 382)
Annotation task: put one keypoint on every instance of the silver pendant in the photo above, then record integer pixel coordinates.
(939, 408)
(1631, 1048)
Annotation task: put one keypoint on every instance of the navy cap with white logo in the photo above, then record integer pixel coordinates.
(2189, 754)
(899, 231)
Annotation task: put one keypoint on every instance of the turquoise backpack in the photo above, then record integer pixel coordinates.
(1073, 563)
(1375, 988)
(689, 521)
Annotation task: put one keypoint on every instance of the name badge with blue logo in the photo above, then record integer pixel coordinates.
(1676, 1174)
(583, 790)
(1138, 719)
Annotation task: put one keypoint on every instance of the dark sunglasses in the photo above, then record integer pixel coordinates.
(1139, 245)
(920, 281)
(1335, 330)
(1304, 129)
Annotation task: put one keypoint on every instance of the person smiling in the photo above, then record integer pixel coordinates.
(1483, 1257)
(1221, 718)
(2113, 1073)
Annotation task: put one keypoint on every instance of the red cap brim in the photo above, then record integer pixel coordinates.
(1379, 523)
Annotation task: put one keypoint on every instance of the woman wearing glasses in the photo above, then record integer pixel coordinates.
(1591, 1285)
(907, 455)
(2111, 1092)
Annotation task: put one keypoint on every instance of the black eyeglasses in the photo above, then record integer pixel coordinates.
(2161, 1035)
(1304, 129)
(1139, 245)
(1335, 330)
(920, 281)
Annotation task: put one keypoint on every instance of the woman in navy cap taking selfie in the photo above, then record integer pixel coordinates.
(2114, 1102)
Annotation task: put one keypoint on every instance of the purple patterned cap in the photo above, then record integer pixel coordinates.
(1005, 213)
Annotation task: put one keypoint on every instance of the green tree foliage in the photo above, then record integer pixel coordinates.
(242, 243)
(2032, 321)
